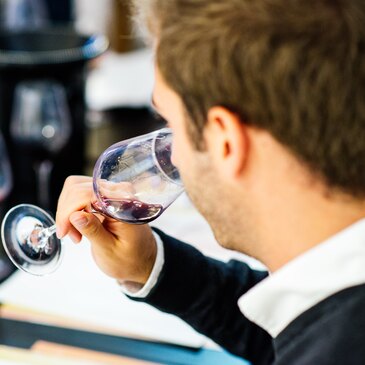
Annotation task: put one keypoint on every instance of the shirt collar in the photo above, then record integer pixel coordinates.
(337, 263)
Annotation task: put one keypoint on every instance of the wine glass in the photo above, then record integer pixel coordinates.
(41, 123)
(134, 181)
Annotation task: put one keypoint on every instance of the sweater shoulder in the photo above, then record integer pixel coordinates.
(331, 332)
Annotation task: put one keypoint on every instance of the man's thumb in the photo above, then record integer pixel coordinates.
(88, 225)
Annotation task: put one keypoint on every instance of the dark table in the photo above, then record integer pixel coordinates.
(25, 334)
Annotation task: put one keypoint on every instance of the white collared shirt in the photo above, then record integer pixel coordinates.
(337, 263)
(141, 291)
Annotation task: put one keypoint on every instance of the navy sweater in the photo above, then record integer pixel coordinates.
(204, 293)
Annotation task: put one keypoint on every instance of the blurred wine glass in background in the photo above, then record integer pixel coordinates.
(41, 123)
(23, 14)
(5, 172)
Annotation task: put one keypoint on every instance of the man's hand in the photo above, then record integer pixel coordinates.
(123, 251)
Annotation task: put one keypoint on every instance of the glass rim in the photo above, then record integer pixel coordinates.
(155, 159)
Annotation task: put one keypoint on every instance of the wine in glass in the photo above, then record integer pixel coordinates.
(134, 181)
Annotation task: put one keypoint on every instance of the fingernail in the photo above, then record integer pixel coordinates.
(80, 222)
(59, 233)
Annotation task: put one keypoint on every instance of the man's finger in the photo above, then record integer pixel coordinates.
(90, 227)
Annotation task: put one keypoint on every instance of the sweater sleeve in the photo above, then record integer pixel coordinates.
(204, 292)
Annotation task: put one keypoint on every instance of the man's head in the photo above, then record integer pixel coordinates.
(266, 102)
(294, 68)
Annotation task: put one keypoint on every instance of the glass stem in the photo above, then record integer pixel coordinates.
(43, 236)
(48, 232)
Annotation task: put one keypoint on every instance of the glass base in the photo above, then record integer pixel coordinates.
(17, 226)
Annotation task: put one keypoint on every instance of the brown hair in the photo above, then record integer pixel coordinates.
(295, 68)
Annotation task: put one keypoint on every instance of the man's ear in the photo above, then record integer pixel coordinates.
(227, 141)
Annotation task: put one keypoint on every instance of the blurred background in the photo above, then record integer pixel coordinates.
(74, 79)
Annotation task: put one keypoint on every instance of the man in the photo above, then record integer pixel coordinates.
(266, 101)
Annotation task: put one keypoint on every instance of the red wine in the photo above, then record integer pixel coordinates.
(131, 210)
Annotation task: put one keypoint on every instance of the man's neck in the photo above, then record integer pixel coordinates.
(307, 221)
